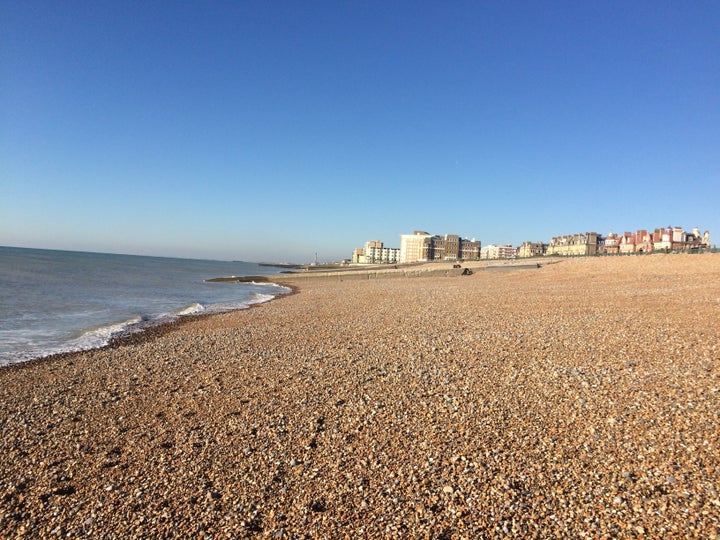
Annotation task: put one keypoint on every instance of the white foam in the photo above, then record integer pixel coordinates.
(102, 335)
(259, 298)
(99, 337)
(285, 290)
(271, 284)
(90, 339)
(192, 309)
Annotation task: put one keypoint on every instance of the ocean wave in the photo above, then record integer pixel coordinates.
(271, 284)
(101, 336)
(89, 339)
(20, 347)
(192, 309)
(255, 298)
(260, 298)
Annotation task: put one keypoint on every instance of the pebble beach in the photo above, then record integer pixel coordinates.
(580, 399)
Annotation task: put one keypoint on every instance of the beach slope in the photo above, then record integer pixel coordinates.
(577, 399)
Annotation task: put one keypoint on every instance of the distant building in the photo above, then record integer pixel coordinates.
(640, 241)
(445, 248)
(532, 249)
(643, 241)
(413, 247)
(375, 252)
(575, 244)
(662, 239)
(611, 244)
(627, 243)
(452, 247)
(693, 240)
(706, 240)
(358, 256)
(469, 249)
(678, 238)
(492, 251)
(422, 246)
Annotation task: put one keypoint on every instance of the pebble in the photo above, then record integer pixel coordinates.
(575, 400)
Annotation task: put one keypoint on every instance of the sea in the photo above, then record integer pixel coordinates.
(62, 301)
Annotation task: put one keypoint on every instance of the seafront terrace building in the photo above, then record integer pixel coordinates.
(640, 241)
(575, 244)
(469, 249)
(662, 239)
(452, 247)
(532, 249)
(667, 239)
(610, 244)
(422, 246)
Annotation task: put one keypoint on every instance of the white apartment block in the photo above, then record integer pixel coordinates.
(411, 246)
(383, 255)
(375, 252)
(492, 251)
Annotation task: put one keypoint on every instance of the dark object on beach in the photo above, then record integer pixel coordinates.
(466, 272)
(456, 266)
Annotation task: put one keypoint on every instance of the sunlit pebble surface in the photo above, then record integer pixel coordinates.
(575, 400)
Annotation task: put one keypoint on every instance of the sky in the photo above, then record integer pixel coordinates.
(275, 131)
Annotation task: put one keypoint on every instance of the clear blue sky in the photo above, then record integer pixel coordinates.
(263, 130)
